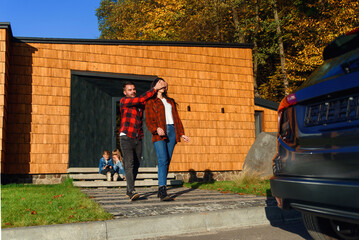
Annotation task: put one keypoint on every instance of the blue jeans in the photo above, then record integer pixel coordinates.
(164, 150)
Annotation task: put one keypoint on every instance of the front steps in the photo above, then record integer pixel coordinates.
(89, 177)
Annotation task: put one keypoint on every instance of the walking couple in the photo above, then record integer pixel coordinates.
(163, 122)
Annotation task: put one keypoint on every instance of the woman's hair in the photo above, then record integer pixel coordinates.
(154, 84)
(164, 94)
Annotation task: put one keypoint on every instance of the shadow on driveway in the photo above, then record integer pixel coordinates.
(286, 220)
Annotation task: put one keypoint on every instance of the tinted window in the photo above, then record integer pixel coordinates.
(334, 67)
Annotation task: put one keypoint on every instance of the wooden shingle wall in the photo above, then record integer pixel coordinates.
(270, 119)
(215, 83)
(4, 75)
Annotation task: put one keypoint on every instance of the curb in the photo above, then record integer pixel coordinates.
(156, 226)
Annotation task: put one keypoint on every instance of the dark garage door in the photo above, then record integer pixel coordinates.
(93, 114)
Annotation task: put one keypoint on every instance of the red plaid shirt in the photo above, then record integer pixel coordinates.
(155, 117)
(131, 114)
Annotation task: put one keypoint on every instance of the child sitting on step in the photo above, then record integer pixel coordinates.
(118, 166)
(106, 165)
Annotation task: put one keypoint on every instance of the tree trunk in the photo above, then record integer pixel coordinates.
(255, 52)
(240, 37)
(281, 48)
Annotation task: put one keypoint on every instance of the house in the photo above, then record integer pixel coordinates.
(59, 99)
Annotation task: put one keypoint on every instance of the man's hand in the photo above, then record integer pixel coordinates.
(160, 131)
(160, 84)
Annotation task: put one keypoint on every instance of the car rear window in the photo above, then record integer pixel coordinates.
(333, 68)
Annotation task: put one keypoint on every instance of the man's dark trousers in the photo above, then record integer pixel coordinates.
(132, 150)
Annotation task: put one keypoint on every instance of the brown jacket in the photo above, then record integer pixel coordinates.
(155, 117)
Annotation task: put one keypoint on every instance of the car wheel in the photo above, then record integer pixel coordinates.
(325, 229)
(319, 228)
(344, 230)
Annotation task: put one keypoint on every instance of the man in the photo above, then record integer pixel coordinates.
(131, 132)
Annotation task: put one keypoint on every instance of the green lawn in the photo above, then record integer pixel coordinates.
(30, 205)
(260, 188)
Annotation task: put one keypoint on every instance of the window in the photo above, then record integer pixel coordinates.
(258, 116)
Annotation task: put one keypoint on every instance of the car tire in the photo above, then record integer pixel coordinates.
(325, 229)
(318, 228)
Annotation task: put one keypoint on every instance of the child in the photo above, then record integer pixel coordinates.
(106, 165)
(118, 165)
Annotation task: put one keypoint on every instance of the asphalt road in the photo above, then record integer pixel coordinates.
(288, 231)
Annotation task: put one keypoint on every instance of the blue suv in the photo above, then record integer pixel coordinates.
(316, 166)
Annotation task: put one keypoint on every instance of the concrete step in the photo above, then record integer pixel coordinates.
(97, 176)
(139, 183)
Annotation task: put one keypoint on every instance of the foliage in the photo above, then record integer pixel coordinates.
(29, 205)
(306, 27)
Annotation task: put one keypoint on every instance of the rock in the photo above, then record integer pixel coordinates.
(260, 155)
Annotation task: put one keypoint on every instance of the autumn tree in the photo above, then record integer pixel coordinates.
(293, 50)
(312, 26)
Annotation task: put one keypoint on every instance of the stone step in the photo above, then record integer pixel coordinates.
(97, 176)
(90, 178)
(177, 201)
(140, 183)
(95, 170)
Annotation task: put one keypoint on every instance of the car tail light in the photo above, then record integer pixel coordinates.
(287, 102)
(354, 31)
(279, 202)
(286, 118)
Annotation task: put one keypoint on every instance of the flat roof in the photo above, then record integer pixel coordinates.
(122, 42)
(261, 102)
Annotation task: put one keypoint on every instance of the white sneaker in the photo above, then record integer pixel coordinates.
(115, 177)
(108, 176)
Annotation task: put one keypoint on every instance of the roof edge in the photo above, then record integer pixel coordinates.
(261, 102)
(130, 42)
(6, 25)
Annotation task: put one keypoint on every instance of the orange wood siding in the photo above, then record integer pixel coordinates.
(4, 70)
(206, 79)
(270, 119)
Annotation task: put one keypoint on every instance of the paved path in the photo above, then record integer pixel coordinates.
(185, 200)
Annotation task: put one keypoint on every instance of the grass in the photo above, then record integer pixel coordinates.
(244, 183)
(31, 205)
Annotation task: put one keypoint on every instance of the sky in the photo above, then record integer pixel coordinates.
(51, 18)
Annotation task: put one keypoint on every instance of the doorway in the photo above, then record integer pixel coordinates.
(95, 117)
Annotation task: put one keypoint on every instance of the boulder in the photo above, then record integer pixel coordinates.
(260, 155)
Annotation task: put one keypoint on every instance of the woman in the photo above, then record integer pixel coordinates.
(163, 122)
